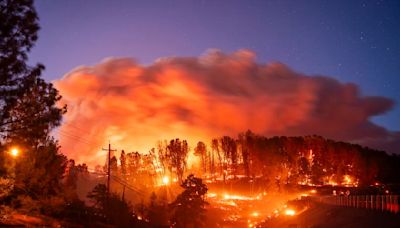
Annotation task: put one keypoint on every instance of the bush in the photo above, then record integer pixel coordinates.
(25, 204)
(6, 187)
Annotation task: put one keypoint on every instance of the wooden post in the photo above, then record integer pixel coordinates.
(357, 201)
(388, 203)
(391, 203)
(378, 201)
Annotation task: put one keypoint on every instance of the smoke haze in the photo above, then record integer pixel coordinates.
(197, 98)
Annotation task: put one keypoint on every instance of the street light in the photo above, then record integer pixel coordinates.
(14, 152)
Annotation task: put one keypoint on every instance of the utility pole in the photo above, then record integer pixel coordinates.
(109, 167)
(123, 193)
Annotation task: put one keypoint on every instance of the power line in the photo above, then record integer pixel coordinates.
(71, 135)
(118, 180)
(123, 183)
(78, 128)
(76, 138)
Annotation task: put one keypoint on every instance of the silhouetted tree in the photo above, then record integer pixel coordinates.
(116, 211)
(201, 151)
(189, 206)
(157, 212)
(229, 149)
(114, 166)
(177, 154)
(19, 27)
(215, 148)
(122, 160)
(72, 173)
(133, 164)
(28, 110)
(39, 173)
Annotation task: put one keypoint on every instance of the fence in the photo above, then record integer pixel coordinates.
(374, 202)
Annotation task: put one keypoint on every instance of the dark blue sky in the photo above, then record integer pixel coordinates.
(353, 41)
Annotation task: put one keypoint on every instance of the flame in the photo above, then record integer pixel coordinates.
(290, 212)
(255, 214)
(165, 180)
(237, 197)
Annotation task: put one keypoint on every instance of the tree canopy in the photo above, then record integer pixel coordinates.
(189, 206)
(28, 106)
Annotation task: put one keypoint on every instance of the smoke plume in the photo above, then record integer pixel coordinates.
(197, 98)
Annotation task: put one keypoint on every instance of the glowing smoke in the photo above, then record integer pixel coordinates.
(216, 94)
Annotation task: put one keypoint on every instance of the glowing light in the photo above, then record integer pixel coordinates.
(237, 197)
(290, 212)
(14, 152)
(165, 180)
(211, 195)
(229, 203)
(347, 179)
(333, 183)
(255, 214)
(313, 191)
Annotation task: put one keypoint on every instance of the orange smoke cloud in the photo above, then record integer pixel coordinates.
(197, 98)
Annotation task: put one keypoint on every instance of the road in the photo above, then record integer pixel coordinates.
(327, 216)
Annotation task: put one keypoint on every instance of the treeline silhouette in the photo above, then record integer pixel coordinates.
(298, 160)
(280, 160)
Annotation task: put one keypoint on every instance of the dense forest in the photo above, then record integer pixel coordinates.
(308, 160)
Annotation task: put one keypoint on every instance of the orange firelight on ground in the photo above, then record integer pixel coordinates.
(290, 212)
(347, 179)
(255, 214)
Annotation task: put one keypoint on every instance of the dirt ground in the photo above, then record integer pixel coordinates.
(326, 216)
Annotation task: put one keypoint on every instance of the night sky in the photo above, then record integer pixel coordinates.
(352, 41)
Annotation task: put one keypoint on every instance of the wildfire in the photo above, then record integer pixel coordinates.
(165, 180)
(333, 183)
(290, 212)
(211, 195)
(237, 197)
(349, 181)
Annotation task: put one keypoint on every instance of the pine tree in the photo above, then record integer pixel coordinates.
(189, 206)
(28, 110)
